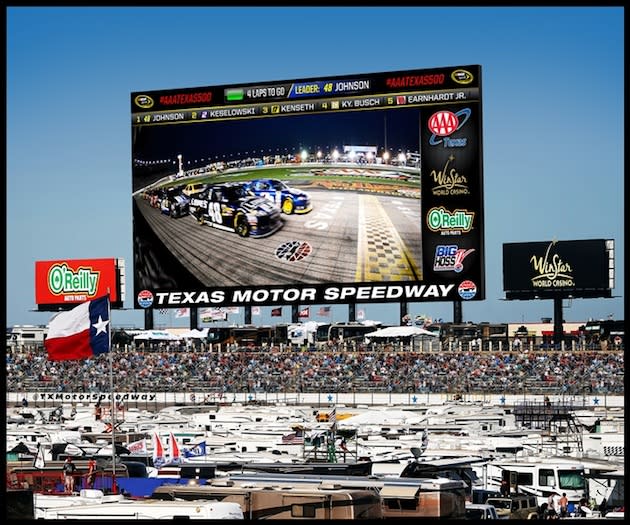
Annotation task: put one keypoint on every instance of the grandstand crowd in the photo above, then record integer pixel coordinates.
(379, 368)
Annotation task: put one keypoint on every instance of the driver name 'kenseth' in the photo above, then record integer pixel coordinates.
(231, 207)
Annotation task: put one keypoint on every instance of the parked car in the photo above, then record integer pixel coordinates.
(481, 511)
(289, 200)
(232, 207)
(515, 507)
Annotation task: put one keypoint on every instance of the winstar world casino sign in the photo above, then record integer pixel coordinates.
(69, 282)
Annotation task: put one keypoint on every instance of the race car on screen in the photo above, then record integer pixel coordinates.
(290, 200)
(173, 202)
(232, 207)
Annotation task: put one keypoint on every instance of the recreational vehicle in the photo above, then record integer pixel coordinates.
(282, 501)
(21, 335)
(539, 478)
(400, 498)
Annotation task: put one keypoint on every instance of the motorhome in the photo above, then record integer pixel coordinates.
(400, 498)
(129, 509)
(282, 501)
(20, 335)
(303, 333)
(538, 477)
(345, 332)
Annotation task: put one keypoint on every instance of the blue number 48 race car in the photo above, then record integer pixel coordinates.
(232, 207)
(289, 200)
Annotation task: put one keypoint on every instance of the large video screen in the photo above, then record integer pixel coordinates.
(550, 269)
(344, 189)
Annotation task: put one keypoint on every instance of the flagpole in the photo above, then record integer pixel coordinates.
(113, 402)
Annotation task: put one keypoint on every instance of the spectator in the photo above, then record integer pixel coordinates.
(91, 473)
(551, 505)
(505, 487)
(69, 469)
(372, 369)
(564, 505)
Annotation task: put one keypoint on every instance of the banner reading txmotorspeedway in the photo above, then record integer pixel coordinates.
(357, 188)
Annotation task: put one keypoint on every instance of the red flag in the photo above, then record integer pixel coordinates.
(182, 312)
(306, 312)
(80, 333)
(276, 312)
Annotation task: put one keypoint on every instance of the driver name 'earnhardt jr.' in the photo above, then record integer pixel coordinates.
(232, 207)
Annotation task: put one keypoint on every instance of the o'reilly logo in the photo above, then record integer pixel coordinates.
(62, 279)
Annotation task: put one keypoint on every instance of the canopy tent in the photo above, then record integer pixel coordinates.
(156, 335)
(195, 334)
(400, 331)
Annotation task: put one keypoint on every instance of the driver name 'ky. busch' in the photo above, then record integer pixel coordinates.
(441, 219)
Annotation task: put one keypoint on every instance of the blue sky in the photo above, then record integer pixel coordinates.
(553, 106)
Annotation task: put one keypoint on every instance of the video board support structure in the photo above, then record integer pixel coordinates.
(352, 312)
(558, 327)
(294, 313)
(148, 319)
(194, 318)
(248, 314)
(404, 307)
(457, 312)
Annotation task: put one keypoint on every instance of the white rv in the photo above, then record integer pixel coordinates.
(20, 335)
(538, 477)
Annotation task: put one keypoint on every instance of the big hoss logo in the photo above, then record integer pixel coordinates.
(450, 258)
(442, 124)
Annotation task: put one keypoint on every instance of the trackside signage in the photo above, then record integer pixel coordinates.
(71, 281)
(580, 268)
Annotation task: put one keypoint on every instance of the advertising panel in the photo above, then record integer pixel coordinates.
(362, 188)
(548, 269)
(64, 283)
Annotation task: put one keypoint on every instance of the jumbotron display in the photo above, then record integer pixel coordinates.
(362, 188)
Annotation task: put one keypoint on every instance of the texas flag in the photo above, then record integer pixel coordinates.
(80, 333)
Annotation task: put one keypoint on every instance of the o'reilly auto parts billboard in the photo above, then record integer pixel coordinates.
(356, 188)
(64, 283)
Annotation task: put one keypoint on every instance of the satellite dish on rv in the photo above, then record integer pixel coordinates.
(416, 452)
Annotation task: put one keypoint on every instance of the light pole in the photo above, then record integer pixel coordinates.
(180, 170)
